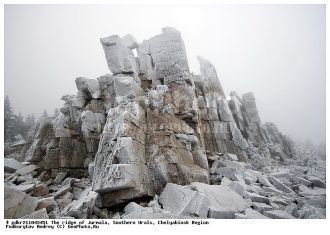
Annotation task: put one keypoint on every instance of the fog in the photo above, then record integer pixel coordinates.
(275, 51)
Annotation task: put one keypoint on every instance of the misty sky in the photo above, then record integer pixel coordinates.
(275, 51)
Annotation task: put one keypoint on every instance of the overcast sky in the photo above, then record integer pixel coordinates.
(275, 51)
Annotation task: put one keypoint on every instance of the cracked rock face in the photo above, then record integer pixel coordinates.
(152, 128)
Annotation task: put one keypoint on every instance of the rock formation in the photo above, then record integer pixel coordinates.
(152, 128)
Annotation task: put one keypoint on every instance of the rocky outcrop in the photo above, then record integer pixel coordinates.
(152, 128)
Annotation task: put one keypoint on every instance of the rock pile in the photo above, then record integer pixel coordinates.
(152, 128)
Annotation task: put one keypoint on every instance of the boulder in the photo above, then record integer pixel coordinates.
(317, 182)
(258, 198)
(261, 207)
(250, 214)
(12, 165)
(278, 214)
(89, 87)
(39, 214)
(181, 200)
(279, 185)
(25, 187)
(264, 181)
(47, 203)
(17, 203)
(81, 208)
(63, 190)
(310, 212)
(223, 202)
(26, 170)
(120, 58)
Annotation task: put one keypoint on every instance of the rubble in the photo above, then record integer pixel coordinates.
(153, 128)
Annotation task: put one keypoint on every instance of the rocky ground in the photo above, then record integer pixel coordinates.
(152, 140)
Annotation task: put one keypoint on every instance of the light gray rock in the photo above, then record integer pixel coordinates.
(91, 169)
(300, 180)
(126, 87)
(232, 157)
(237, 136)
(261, 207)
(129, 41)
(264, 181)
(317, 182)
(119, 57)
(310, 212)
(120, 176)
(39, 214)
(223, 202)
(169, 56)
(81, 208)
(131, 207)
(11, 165)
(230, 173)
(65, 200)
(48, 203)
(250, 214)
(200, 159)
(209, 74)
(305, 191)
(26, 170)
(89, 87)
(17, 203)
(258, 198)
(24, 187)
(279, 185)
(181, 200)
(63, 190)
(292, 209)
(91, 122)
(238, 187)
(60, 177)
(278, 214)
(150, 215)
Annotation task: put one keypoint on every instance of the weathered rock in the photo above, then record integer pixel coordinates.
(317, 182)
(250, 214)
(81, 208)
(278, 214)
(62, 191)
(229, 173)
(223, 202)
(299, 180)
(25, 187)
(39, 214)
(65, 200)
(181, 200)
(60, 177)
(258, 198)
(310, 212)
(26, 170)
(90, 87)
(264, 181)
(119, 57)
(48, 203)
(279, 185)
(152, 125)
(305, 191)
(238, 187)
(18, 204)
(11, 165)
(129, 41)
(261, 207)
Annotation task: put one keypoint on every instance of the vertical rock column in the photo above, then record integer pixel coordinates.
(120, 167)
(218, 125)
(174, 150)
